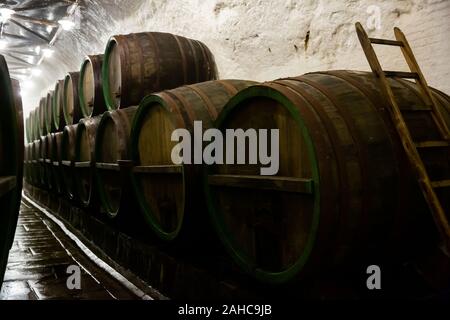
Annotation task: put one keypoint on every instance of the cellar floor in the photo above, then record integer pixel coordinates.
(39, 260)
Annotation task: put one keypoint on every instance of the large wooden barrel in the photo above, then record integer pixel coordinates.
(42, 125)
(92, 101)
(67, 159)
(344, 192)
(50, 124)
(71, 101)
(11, 159)
(170, 195)
(58, 105)
(141, 63)
(112, 145)
(85, 160)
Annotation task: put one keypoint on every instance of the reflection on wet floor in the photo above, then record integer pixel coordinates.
(38, 262)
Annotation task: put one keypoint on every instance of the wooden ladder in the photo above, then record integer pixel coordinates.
(411, 148)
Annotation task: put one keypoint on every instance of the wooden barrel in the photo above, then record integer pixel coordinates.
(11, 159)
(71, 101)
(58, 106)
(169, 195)
(112, 145)
(92, 101)
(67, 159)
(55, 157)
(141, 63)
(85, 160)
(50, 124)
(344, 192)
(42, 125)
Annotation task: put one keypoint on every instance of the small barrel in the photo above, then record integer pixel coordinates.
(92, 101)
(141, 63)
(341, 194)
(169, 195)
(67, 159)
(112, 145)
(50, 124)
(58, 105)
(85, 160)
(71, 100)
(42, 125)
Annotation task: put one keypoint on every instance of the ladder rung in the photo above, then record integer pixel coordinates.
(401, 74)
(386, 42)
(432, 144)
(441, 184)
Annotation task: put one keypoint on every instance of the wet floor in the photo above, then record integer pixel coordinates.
(39, 260)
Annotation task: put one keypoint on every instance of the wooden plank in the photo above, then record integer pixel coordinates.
(386, 42)
(82, 164)
(401, 74)
(441, 184)
(159, 169)
(275, 183)
(108, 166)
(432, 144)
(7, 183)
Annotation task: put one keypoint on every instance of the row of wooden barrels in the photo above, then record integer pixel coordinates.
(133, 66)
(11, 158)
(344, 191)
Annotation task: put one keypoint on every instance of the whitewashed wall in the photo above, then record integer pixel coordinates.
(264, 39)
